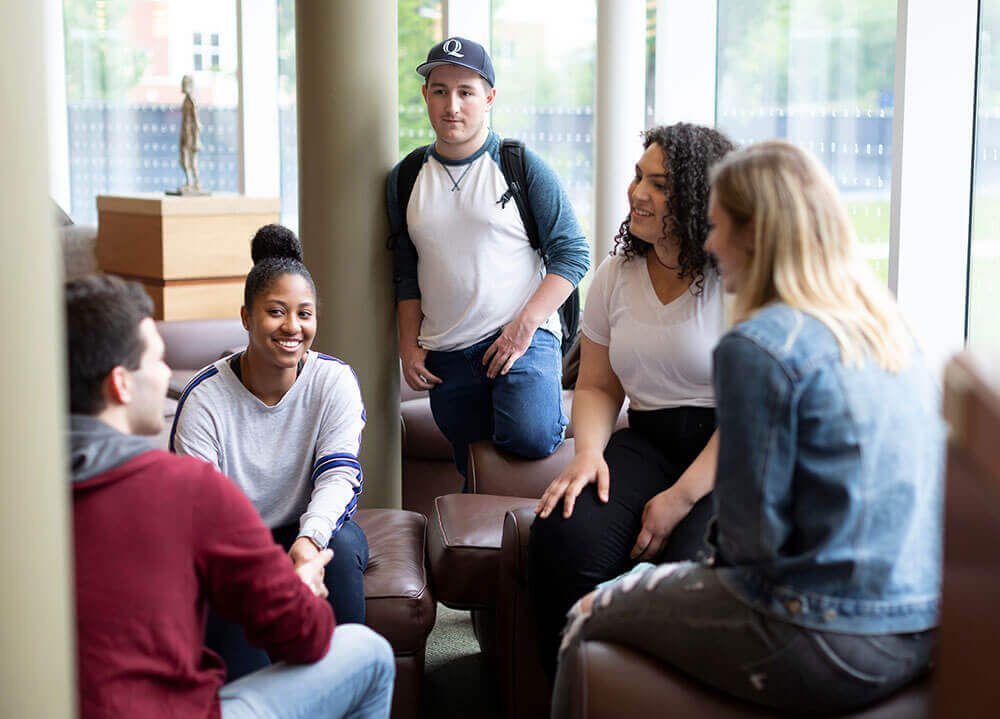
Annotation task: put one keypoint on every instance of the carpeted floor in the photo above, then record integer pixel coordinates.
(458, 682)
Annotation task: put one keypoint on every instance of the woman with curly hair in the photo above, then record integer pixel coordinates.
(823, 593)
(652, 317)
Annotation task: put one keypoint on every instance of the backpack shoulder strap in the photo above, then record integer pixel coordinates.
(514, 168)
(409, 168)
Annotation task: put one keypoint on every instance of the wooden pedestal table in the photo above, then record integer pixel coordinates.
(191, 254)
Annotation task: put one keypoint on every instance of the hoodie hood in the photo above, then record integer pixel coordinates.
(95, 447)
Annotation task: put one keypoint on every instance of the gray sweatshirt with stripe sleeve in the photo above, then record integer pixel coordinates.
(296, 461)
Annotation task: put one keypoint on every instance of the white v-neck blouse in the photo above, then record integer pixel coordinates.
(661, 353)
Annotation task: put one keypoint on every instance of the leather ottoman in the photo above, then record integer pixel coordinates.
(399, 603)
(464, 553)
(464, 547)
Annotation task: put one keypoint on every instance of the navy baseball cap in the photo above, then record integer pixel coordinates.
(461, 52)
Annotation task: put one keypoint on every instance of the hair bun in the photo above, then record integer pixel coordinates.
(275, 241)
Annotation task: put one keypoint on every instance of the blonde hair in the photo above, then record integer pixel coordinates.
(803, 252)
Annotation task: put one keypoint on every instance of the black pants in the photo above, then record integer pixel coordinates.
(343, 577)
(569, 557)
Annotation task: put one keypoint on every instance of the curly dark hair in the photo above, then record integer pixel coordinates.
(689, 151)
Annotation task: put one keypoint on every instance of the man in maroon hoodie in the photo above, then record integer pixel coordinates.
(160, 537)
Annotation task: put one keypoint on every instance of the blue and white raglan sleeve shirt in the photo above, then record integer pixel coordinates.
(298, 460)
(465, 253)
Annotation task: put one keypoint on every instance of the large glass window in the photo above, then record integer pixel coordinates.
(419, 29)
(288, 145)
(544, 54)
(124, 63)
(649, 111)
(821, 75)
(984, 268)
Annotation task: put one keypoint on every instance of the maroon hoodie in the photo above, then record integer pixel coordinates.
(157, 539)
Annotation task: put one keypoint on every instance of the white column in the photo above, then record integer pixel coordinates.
(685, 61)
(55, 98)
(932, 168)
(257, 52)
(38, 657)
(621, 75)
(469, 19)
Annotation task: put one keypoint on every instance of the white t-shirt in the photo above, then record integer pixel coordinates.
(477, 269)
(297, 460)
(662, 354)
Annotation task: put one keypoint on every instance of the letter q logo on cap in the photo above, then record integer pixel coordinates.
(452, 47)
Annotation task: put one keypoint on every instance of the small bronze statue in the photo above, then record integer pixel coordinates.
(190, 141)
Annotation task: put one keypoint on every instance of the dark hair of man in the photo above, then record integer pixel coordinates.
(275, 251)
(102, 332)
(689, 151)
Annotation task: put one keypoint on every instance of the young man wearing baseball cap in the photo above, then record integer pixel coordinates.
(478, 321)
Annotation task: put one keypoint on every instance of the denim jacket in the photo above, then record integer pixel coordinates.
(829, 483)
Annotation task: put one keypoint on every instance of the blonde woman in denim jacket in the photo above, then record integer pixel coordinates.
(824, 591)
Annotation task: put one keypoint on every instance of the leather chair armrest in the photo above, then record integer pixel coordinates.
(421, 436)
(514, 542)
(465, 532)
(493, 471)
(523, 683)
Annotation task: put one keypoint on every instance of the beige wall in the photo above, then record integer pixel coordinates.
(36, 626)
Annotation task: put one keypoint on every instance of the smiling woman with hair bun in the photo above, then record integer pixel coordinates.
(284, 422)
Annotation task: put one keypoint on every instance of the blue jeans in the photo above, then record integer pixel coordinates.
(520, 411)
(354, 680)
(343, 577)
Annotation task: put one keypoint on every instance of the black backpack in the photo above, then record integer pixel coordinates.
(512, 165)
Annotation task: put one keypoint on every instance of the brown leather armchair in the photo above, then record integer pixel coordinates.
(399, 603)
(428, 466)
(619, 682)
(965, 681)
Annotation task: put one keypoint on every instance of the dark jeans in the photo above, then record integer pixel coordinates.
(344, 578)
(569, 557)
(684, 616)
(520, 411)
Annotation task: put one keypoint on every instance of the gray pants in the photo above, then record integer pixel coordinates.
(682, 615)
